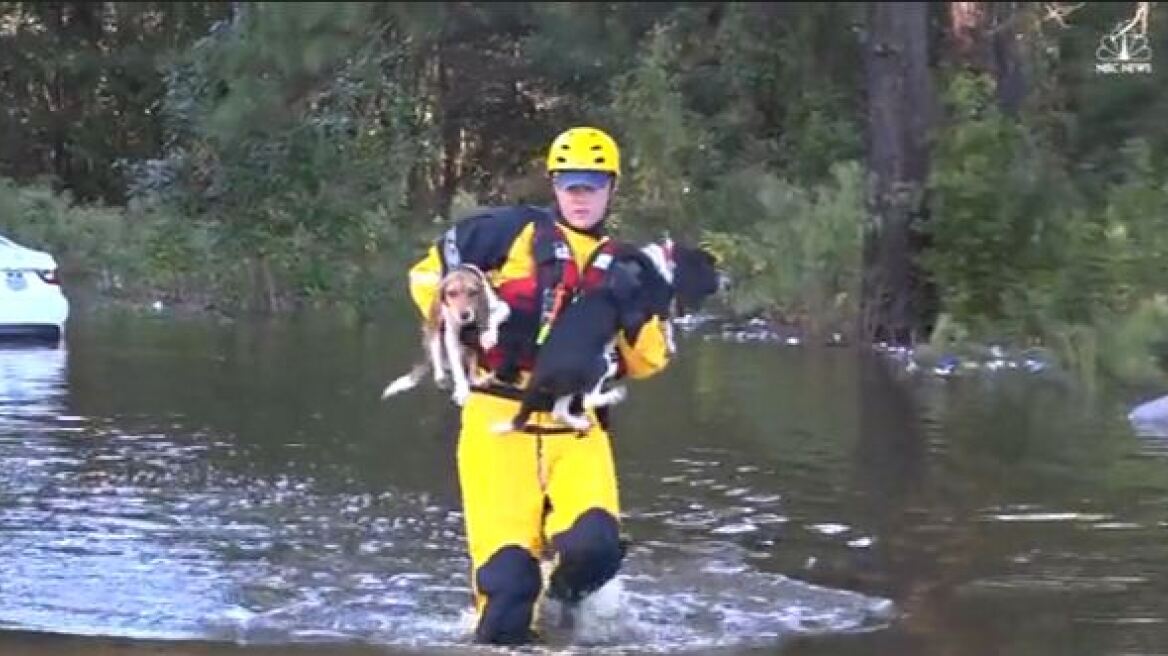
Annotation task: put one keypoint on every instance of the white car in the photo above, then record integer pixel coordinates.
(32, 303)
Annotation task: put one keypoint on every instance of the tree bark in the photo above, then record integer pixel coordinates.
(900, 109)
(984, 37)
(968, 33)
(451, 137)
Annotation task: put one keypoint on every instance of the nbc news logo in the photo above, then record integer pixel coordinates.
(1123, 51)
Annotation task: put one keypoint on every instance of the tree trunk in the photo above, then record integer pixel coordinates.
(900, 107)
(1008, 69)
(451, 138)
(984, 38)
(969, 33)
(59, 107)
(238, 14)
(78, 25)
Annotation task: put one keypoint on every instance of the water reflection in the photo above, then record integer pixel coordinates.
(83, 547)
(32, 380)
(124, 526)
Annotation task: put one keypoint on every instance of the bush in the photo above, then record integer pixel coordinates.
(1019, 255)
(795, 256)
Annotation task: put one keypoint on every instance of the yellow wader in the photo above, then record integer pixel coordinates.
(506, 480)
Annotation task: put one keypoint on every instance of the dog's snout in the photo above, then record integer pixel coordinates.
(466, 316)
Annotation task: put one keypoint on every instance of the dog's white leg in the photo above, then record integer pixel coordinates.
(404, 382)
(562, 411)
(597, 396)
(660, 259)
(613, 358)
(436, 364)
(610, 397)
(502, 427)
(453, 355)
(499, 311)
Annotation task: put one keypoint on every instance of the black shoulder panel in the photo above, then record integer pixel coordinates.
(484, 239)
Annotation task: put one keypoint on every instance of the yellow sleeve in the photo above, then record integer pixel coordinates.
(648, 353)
(424, 278)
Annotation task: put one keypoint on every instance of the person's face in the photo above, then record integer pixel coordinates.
(583, 205)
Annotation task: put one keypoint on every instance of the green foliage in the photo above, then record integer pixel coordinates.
(995, 201)
(81, 85)
(799, 258)
(661, 153)
(310, 198)
(132, 255)
(1021, 256)
(1133, 343)
(780, 200)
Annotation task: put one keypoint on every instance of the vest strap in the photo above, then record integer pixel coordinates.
(515, 394)
(552, 258)
(551, 254)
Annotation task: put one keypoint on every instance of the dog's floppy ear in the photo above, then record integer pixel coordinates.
(434, 315)
(697, 276)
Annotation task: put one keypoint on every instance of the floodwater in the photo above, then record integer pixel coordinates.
(199, 487)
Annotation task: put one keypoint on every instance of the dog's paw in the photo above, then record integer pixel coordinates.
(489, 339)
(609, 397)
(397, 386)
(460, 395)
(441, 381)
(617, 394)
(577, 423)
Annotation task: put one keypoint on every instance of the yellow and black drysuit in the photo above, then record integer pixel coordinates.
(548, 482)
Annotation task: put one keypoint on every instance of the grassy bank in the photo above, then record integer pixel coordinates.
(140, 255)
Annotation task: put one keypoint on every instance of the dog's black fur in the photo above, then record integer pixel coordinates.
(575, 358)
(696, 277)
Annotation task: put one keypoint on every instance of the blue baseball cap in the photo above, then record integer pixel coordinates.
(590, 179)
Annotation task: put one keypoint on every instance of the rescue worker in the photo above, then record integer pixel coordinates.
(547, 487)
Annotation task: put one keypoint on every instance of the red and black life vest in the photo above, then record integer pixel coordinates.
(536, 300)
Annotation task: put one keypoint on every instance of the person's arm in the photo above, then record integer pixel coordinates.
(647, 350)
(423, 280)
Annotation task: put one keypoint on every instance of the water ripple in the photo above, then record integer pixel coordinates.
(146, 527)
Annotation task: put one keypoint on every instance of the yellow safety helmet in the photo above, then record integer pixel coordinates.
(584, 149)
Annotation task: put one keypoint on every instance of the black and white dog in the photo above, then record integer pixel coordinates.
(579, 357)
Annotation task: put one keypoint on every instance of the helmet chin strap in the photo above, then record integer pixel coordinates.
(598, 229)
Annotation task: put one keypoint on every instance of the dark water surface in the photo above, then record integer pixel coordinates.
(201, 487)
